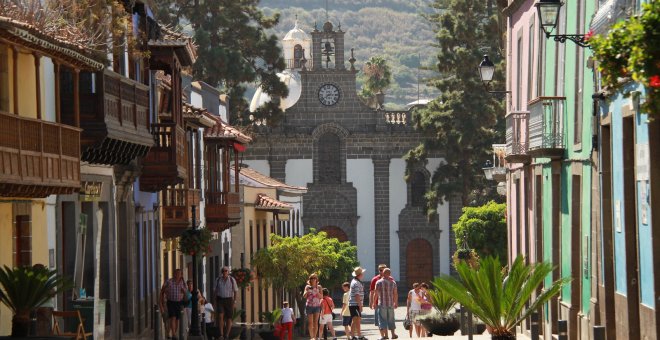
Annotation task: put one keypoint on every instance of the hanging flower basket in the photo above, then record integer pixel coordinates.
(243, 277)
(195, 242)
(468, 256)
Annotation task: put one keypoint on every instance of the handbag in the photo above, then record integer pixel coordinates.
(407, 323)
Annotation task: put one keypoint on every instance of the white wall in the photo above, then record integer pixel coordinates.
(299, 172)
(398, 198)
(360, 172)
(259, 165)
(48, 89)
(443, 221)
(196, 99)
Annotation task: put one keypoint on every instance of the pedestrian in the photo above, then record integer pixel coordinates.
(355, 301)
(224, 290)
(413, 310)
(426, 305)
(386, 299)
(345, 312)
(173, 291)
(327, 305)
(188, 308)
(288, 320)
(372, 291)
(313, 295)
(212, 331)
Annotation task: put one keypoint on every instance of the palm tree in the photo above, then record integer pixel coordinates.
(498, 297)
(26, 288)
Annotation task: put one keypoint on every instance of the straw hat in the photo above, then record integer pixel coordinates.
(358, 271)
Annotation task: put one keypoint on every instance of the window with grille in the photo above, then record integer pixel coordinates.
(417, 189)
(22, 237)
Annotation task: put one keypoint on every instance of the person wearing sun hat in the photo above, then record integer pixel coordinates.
(355, 300)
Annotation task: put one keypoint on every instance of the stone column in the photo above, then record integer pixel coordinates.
(382, 210)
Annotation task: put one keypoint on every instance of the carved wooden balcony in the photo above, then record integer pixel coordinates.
(223, 210)
(177, 210)
(114, 116)
(37, 158)
(546, 127)
(166, 163)
(516, 137)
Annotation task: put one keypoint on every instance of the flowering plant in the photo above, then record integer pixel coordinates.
(632, 49)
(195, 242)
(243, 277)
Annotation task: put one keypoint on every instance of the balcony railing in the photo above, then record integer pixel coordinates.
(177, 209)
(114, 116)
(546, 127)
(166, 162)
(223, 210)
(297, 64)
(38, 158)
(516, 137)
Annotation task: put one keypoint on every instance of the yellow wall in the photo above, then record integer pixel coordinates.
(27, 103)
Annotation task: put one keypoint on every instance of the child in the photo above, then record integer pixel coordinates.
(288, 320)
(211, 331)
(327, 305)
(345, 313)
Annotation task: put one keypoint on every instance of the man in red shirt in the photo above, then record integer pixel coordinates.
(372, 291)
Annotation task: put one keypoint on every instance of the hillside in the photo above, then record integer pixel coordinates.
(392, 28)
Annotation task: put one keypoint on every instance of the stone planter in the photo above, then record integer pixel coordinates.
(439, 324)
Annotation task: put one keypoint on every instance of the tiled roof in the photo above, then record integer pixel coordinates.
(28, 36)
(222, 130)
(178, 40)
(268, 181)
(197, 115)
(268, 203)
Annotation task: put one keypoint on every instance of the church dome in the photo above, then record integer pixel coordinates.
(292, 80)
(296, 34)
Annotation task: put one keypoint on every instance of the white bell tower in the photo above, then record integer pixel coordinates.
(297, 44)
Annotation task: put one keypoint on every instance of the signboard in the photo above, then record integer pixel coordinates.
(642, 162)
(90, 191)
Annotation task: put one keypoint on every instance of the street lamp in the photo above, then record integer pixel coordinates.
(488, 170)
(486, 73)
(548, 11)
(194, 300)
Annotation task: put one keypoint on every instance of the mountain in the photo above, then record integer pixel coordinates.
(391, 28)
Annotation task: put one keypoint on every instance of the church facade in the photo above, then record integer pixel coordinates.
(350, 157)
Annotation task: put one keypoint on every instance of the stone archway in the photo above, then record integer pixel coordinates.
(419, 260)
(335, 232)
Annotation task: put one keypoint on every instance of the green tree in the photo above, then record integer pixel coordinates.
(483, 229)
(461, 124)
(26, 288)
(500, 298)
(233, 49)
(289, 261)
(377, 77)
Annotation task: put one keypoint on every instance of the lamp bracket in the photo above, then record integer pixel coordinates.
(576, 38)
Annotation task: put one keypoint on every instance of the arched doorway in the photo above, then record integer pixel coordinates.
(335, 232)
(419, 259)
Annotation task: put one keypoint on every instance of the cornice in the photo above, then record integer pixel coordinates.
(513, 7)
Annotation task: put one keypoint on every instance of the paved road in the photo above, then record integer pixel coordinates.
(370, 331)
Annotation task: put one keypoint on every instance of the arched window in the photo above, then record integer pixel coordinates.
(297, 55)
(329, 159)
(417, 189)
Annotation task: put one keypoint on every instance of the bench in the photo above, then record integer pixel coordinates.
(79, 334)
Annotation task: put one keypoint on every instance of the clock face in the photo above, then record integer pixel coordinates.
(329, 94)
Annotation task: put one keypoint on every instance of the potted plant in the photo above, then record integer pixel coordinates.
(501, 298)
(24, 289)
(440, 321)
(270, 318)
(195, 242)
(467, 256)
(236, 329)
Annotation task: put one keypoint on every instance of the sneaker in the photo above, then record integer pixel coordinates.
(395, 336)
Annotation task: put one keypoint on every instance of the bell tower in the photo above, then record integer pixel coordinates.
(297, 48)
(328, 48)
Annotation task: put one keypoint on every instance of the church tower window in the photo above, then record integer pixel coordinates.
(297, 55)
(417, 189)
(329, 159)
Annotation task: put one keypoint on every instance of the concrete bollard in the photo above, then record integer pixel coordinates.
(562, 330)
(599, 333)
(157, 321)
(535, 326)
(182, 324)
(470, 327)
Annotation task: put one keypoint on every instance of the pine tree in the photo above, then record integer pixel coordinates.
(233, 49)
(464, 122)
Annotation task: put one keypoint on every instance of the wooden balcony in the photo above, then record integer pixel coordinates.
(166, 162)
(177, 210)
(114, 116)
(223, 210)
(38, 158)
(546, 127)
(516, 137)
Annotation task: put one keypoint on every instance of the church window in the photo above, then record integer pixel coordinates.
(329, 159)
(417, 189)
(297, 55)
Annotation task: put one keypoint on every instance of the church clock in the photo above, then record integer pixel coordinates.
(329, 94)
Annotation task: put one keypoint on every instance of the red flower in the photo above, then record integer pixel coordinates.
(588, 35)
(654, 81)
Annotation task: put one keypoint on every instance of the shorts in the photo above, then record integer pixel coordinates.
(325, 318)
(174, 309)
(346, 320)
(309, 310)
(414, 314)
(386, 318)
(225, 306)
(355, 311)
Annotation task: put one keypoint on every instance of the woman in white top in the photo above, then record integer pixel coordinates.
(414, 309)
(288, 320)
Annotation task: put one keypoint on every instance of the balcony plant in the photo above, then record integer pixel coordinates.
(195, 242)
(632, 49)
(24, 289)
(243, 277)
(501, 298)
